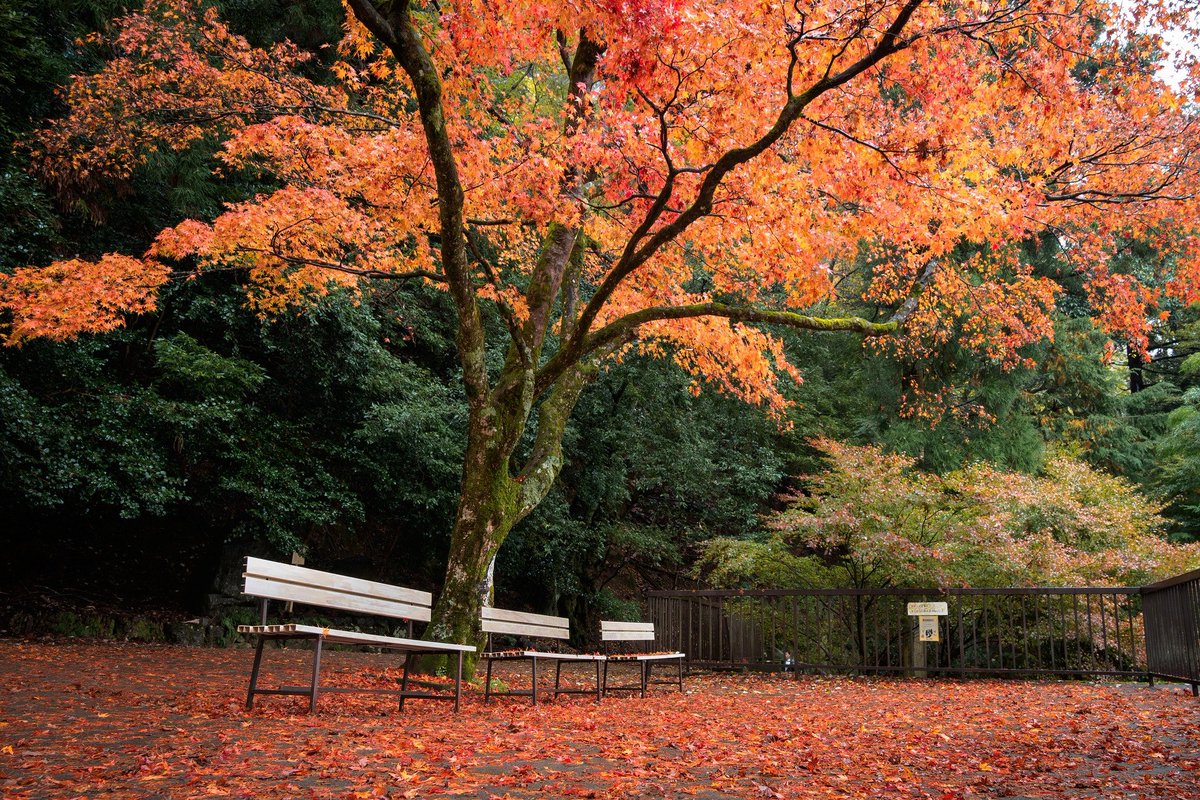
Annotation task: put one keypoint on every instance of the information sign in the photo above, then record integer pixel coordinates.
(930, 629)
(928, 609)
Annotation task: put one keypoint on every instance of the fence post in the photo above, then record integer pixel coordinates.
(1171, 616)
(918, 649)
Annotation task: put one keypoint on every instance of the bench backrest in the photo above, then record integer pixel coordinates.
(276, 581)
(611, 631)
(521, 623)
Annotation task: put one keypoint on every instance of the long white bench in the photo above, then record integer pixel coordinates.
(625, 633)
(528, 626)
(271, 580)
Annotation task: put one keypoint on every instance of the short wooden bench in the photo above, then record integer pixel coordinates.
(623, 636)
(271, 580)
(527, 626)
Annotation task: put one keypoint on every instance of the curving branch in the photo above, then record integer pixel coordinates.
(338, 266)
(622, 330)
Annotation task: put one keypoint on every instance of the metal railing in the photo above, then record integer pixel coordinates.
(1172, 613)
(1068, 632)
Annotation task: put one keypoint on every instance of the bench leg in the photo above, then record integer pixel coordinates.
(645, 676)
(598, 690)
(258, 651)
(487, 683)
(679, 678)
(404, 679)
(458, 681)
(557, 677)
(533, 671)
(316, 676)
(605, 684)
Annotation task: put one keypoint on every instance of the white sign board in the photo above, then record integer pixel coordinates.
(929, 628)
(928, 609)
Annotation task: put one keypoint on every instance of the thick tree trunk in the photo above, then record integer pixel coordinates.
(486, 513)
(493, 500)
(488, 507)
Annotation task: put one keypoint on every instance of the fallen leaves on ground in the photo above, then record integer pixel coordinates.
(142, 721)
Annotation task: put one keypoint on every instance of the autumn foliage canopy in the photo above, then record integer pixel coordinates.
(590, 178)
(723, 163)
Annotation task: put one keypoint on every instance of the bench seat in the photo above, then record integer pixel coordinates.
(644, 656)
(503, 654)
(335, 636)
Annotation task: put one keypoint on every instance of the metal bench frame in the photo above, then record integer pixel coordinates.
(272, 580)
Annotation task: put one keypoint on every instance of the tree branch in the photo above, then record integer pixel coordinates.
(620, 330)
(890, 42)
(338, 266)
(398, 33)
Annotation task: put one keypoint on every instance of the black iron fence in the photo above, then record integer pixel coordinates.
(1037, 631)
(1172, 614)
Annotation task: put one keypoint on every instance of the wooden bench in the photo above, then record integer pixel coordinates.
(271, 580)
(623, 633)
(527, 626)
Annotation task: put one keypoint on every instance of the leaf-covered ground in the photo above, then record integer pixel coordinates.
(141, 721)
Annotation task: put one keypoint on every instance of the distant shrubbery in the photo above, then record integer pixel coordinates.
(874, 519)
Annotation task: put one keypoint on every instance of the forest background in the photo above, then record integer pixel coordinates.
(137, 467)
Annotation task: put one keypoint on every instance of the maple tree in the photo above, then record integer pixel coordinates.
(874, 520)
(655, 176)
